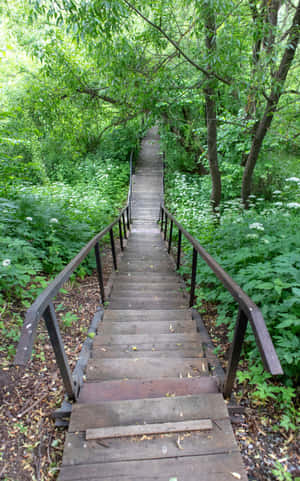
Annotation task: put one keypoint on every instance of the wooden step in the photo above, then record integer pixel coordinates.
(154, 410)
(149, 315)
(150, 294)
(151, 277)
(145, 339)
(167, 350)
(219, 440)
(145, 368)
(194, 468)
(147, 303)
(145, 267)
(95, 392)
(136, 327)
(157, 286)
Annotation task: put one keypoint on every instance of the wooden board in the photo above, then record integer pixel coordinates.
(219, 440)
(139, 411)
(143, 303)
(217, 467)
(136, 327)
(95, 392)
(145, 339)
(148, 429)
(148, 315)
(145, 368)
(170, 351)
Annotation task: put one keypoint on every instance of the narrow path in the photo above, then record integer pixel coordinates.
(148, 373)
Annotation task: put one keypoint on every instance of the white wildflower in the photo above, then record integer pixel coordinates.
(279, 204)
(6, 262)
(29, 218)
(293, 179)
(257, 226)
(266, 241)
(53, 220)
(277, 192)
(293, 205)
(252, 236)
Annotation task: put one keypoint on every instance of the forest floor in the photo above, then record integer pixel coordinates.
(31, 445)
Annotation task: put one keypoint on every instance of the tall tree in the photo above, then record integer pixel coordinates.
(278, 78)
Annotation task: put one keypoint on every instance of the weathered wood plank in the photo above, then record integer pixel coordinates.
(136, 327)
(217, 467)
(219, 440)
(143, 303)
(139, 411)
(187, 350)
(145, 368)
(148, 315)
(117, 390)
(148, 429)
(146, 339)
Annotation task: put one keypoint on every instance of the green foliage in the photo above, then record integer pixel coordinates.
(42, 228)
(259, 248)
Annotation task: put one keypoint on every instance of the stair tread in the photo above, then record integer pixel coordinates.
(145, 368)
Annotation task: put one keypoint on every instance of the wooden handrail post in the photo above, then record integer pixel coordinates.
(193, 278)
(99, 271)
(128, 217)
(178, 249)
(59, 351)
(162, 219)
(121, 235)
(235, 352)
(166, 226)
(113, 249)
(124, 226)
(170, 237)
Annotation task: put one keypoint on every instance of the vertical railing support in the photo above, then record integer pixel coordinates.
(166, 226)
(113, 249)
(162, 220)
(59, 351)
(99, 271)
(121, 235)
(124, 226)
(235, 352)
(178, 249)
(193, 278)
(128, 218)
(170, 237)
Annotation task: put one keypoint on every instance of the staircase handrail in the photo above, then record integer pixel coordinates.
(248, 310)
(43, 305)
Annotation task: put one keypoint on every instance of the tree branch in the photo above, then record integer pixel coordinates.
(177, 47)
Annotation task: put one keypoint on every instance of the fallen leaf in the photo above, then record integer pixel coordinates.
(178, 443)
(236, 475)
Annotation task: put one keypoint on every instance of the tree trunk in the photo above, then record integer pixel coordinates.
(211, 122)
(211, 111)
(265, 122)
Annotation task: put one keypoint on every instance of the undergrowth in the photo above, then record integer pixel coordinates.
(260, 249)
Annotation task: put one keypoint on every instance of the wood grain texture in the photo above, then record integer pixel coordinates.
(145, 368)
(193, 468)
(219, 440)
(148, 429)
(156, 410)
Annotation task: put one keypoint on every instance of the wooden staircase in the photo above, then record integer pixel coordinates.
(148, 371)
